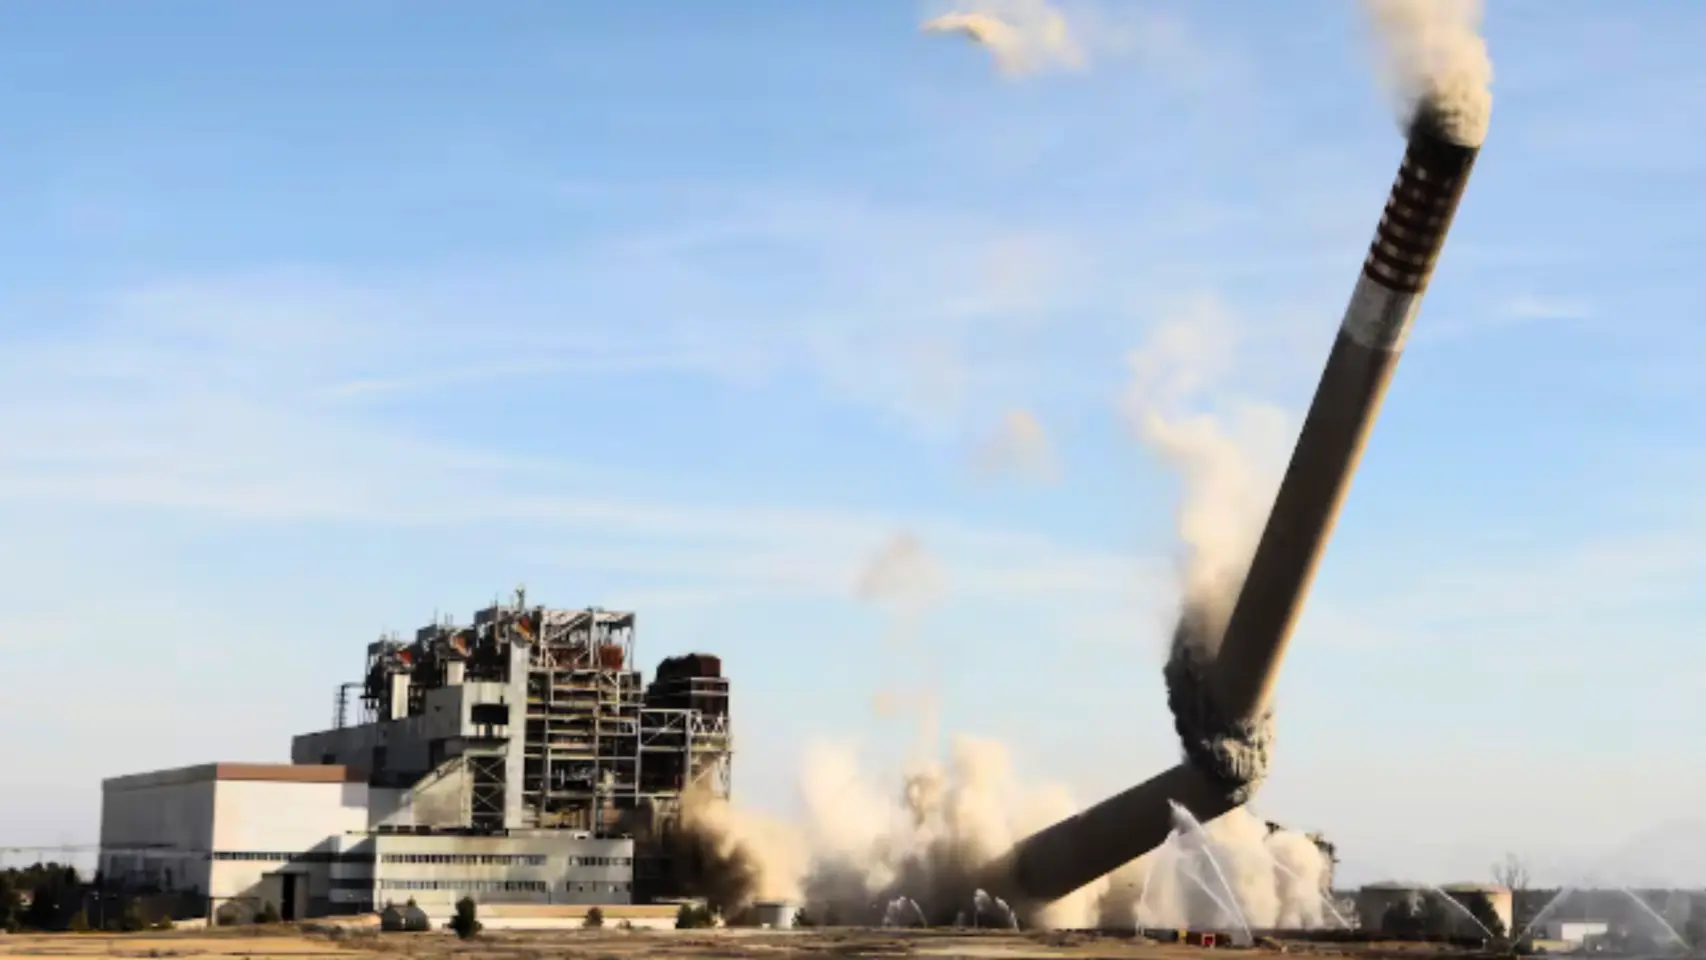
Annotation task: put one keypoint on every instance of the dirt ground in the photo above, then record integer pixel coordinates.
(610, 944)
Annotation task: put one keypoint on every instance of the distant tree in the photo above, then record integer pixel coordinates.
(1481, 908)
(694, 917)
(594, 918)
(466, 923)
(11, 903)
(1511, 872)
(133, 918)
(55, 895)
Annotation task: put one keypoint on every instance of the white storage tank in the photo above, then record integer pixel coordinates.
(773, 914)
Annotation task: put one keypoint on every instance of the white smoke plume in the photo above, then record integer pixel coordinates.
(1433, 58)
(904, 580)
(1021, 447)
(901, 577)
(1274, 878)
(931, 839)
(1023, 36)
(920, 841)
(931, 842)
(1227, 454)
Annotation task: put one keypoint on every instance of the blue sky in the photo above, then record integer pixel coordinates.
(318, 317)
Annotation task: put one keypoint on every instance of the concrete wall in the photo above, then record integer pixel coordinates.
(242, 836)
(437, 871)
(554, 917)
(286, 817)
(170, 816)
(407, 742)
(265, 832)
(515, 815)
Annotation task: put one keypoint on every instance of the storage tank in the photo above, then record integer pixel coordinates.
(1482, 900)
(1376, 900)
(773, 914)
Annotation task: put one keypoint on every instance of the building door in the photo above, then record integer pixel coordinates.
(287, 908)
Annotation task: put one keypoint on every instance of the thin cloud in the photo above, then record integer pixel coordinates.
(1527, 308)
(1023, 36)
(1019, 446)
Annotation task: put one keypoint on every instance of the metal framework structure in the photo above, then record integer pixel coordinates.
(600, 747)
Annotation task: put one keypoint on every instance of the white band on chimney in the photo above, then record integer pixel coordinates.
(1379, 317)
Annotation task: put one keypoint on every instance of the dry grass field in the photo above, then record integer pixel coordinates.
(285, 941)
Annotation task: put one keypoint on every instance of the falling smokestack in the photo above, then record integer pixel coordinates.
(1419, 211)
(1400, 262)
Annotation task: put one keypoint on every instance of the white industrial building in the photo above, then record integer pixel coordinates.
(1577, 933)
(513, 760)
(314, 840)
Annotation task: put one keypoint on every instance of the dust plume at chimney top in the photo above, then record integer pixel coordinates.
(1433, 60)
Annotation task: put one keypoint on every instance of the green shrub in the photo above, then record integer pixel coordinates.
(466, 923)
(691, 917)
(268, 914)
(79, 922)
(132, 920)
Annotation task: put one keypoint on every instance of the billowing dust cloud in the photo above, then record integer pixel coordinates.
(1433, 60)
(1227, 458)
(904, 581)
(866, 854)
(914, 845)
(1274, 879)
(1023, 36)
(1019, 446)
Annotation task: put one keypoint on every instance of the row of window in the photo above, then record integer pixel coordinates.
(312, 856)
(468, 886)
(459, 859)
(469, 859)
(476, 886)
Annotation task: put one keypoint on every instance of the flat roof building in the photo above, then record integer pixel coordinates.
(315, 840)
(514, 759)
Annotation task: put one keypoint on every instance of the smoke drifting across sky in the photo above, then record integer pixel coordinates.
(1023, 36)
(1019, 447)
(1226, 451)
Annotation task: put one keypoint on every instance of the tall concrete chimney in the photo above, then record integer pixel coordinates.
(1239, 683)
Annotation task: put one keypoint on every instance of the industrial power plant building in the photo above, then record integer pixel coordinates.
(516, 760)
